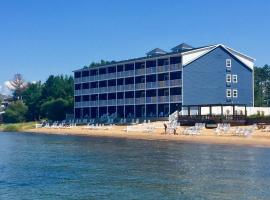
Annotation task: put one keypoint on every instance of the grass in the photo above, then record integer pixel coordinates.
(17, 127)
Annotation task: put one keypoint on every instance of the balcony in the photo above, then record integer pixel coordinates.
(140, 86)
(129, 73)
(77, 80)
(93, 90)
(151, 85)
(120, 74)
(112, 102)
(176, 82)
(176, 98)
(140, 100)
(85, 91)
(163, 99)
(129, 101)
(103, 89)
(103, 102)
(175, 67)
(163, 68)
(111, 76)
(103, 76)
(164, 83)
(112, 88)
(129, 87)
(93, 103)
(120, 102)
(77, 92)
(85, 79)
(151, 99)
(140, 71)
(77, 104)
(120, 88)
(151, 70)
(85, 103)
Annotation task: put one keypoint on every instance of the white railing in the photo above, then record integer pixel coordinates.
(163, 99)
(150, 85)
(140, 86)
(77, 92)
(112, 102)
(163, 68)
(176, 82)
(174, 67)
(164, 83)
(129, 101)
(140, 71)
(120, 102)
(129, 87)
(151, 70)
(151, 99)
(120, 88)
(140, 100)
(176, 98)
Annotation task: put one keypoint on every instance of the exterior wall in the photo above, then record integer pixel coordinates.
(143, 98)
(204, 80)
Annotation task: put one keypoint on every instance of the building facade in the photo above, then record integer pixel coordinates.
(160, 83)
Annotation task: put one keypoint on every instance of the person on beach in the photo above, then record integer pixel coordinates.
(165, 128)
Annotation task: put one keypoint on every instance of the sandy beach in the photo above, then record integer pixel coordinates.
(207, 136)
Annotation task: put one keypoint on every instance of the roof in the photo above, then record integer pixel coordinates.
(156, 51)
(181, 47)
(161, 54)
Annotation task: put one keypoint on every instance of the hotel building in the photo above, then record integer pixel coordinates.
(161, 82)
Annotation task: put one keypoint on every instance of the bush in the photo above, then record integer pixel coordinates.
(15, 112)
(55, 109)
(11, 128)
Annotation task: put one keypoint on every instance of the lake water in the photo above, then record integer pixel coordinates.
(69, 167)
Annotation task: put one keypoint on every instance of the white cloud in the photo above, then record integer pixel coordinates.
(4, 88)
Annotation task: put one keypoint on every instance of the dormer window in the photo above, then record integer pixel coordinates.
(235, 78)
(228, 78)
(229, 63)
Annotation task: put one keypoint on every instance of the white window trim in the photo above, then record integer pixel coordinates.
(229, 63)
(228, 93)
(235, 93)
(228, 78)
(235, 78)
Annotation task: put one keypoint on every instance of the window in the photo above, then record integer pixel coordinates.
(228, 63)
(235, 93)
(234, 79)
(228, 78)
(228, 93)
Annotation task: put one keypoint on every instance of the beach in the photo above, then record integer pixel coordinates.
(206, 136)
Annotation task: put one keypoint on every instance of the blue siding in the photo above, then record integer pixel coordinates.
(204, 80)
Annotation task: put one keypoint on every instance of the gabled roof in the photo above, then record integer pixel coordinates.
(181, 47)
(156, 51)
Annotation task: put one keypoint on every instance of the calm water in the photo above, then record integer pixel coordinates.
(68, 167)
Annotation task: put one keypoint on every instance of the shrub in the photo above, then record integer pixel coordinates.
(15, 112)
(11, 128)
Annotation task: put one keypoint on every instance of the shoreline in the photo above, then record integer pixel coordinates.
(259, 139)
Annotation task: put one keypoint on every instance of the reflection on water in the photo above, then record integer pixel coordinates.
(69, 167)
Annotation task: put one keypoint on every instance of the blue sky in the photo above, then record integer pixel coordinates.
(39, 38)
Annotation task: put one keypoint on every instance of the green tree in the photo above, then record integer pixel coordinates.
(32, 98)
(55, 109)
(15, 112)
(262, 86)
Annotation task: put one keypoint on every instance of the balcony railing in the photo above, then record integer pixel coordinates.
(163, 68)
(175, 67)
(77, 92)
(111, 75)
(85, 91)
(151, 70)
(77, 104)
(120, 102)
(150, 85)
(93, 103)
(176, 98)
(112, 89)
(140, 71)
(129, 87)
(164, 83)
(93, 90)
(120, 88)
(129, 73)
(103, 102)
(176, 82)
(140, 86)
(140, 100)
(103, 89)
(112, 102)
(163, 99)
(129, 101)
(151, 99)
(77, 80)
